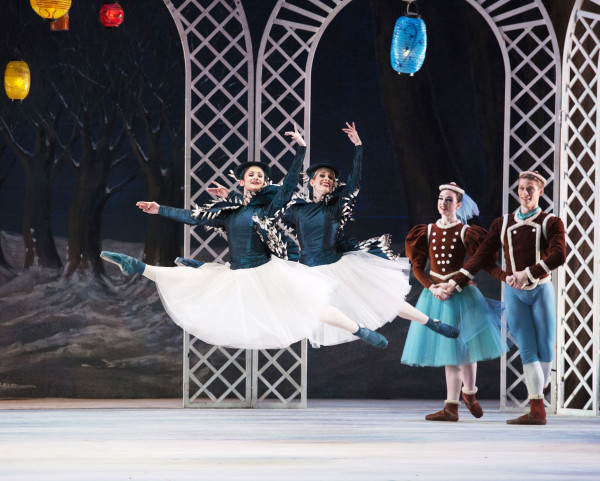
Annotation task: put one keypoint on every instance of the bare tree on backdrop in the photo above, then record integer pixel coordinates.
(5, 267)
(157, 141)
(97, 89)
(42, 165)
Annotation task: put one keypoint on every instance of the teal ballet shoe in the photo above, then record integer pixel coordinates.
(443, 329)
(127, 264)
(183, 262)
(372, 337)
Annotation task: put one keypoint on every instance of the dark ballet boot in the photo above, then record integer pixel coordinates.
(472, 404)
(127, 264)
(449, 413)
(536, 414)
(371, 337)
(183, 262)
(443, 329)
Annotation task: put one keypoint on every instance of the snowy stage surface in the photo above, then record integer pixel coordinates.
(331, 440)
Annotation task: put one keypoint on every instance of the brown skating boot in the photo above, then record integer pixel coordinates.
(449, 413)
(472, 405)
(536, 414)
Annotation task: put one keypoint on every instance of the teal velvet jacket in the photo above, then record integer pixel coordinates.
(246, 246)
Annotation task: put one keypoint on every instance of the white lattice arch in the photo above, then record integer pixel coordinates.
(531, 130)
(532, 68)
(578, 360)
(219, 116)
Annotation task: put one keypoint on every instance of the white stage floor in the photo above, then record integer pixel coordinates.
(331, 440)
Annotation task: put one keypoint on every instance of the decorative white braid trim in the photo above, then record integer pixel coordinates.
(538, 282)
(546, 268)
(545, 225)
(452, 282)
(466, 273)
(531, 278)
(503, 231)
(463, 231)
(443, 276)
(452, 187)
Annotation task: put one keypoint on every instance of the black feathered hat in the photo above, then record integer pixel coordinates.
(310, 172)
(240, 170)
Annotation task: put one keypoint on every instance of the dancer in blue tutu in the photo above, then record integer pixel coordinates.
(259, 301)
(371, 288)
(445, 244)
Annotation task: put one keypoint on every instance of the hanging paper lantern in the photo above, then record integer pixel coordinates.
(60, 24)
(17, 79)
(111, 15)
(51, 8)
(409, 43)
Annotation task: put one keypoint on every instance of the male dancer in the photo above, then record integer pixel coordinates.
(533, 243)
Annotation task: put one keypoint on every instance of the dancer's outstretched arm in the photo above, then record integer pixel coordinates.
(179, 215)
(353, 181)
(284, 194)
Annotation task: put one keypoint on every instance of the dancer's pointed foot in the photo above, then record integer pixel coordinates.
(372, 337)
(449, 413)
(127, 264)
(443, 329)
(183, 262)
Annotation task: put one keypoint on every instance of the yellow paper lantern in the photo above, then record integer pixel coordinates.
(51, 8)
(17, 80)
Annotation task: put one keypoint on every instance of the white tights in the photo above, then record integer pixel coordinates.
(534, 378)
(336, 318)
(457, 376)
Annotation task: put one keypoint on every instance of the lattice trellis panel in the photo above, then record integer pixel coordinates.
(219, 133)
(217, 377)
(219, 128)
(579, 295)
(221, 86)
(531, 129)
(283, 74)
(280, 377)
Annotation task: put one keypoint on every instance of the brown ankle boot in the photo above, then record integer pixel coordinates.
(472, 405)
(449, 413)
(536, 414)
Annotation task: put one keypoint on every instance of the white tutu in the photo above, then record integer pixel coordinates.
(270, 306)
(371, 291)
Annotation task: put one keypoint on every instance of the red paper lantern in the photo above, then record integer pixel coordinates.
(111, 15)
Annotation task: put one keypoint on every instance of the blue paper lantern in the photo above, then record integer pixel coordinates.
(409, 44)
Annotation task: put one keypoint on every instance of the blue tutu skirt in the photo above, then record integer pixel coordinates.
(476, 317)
